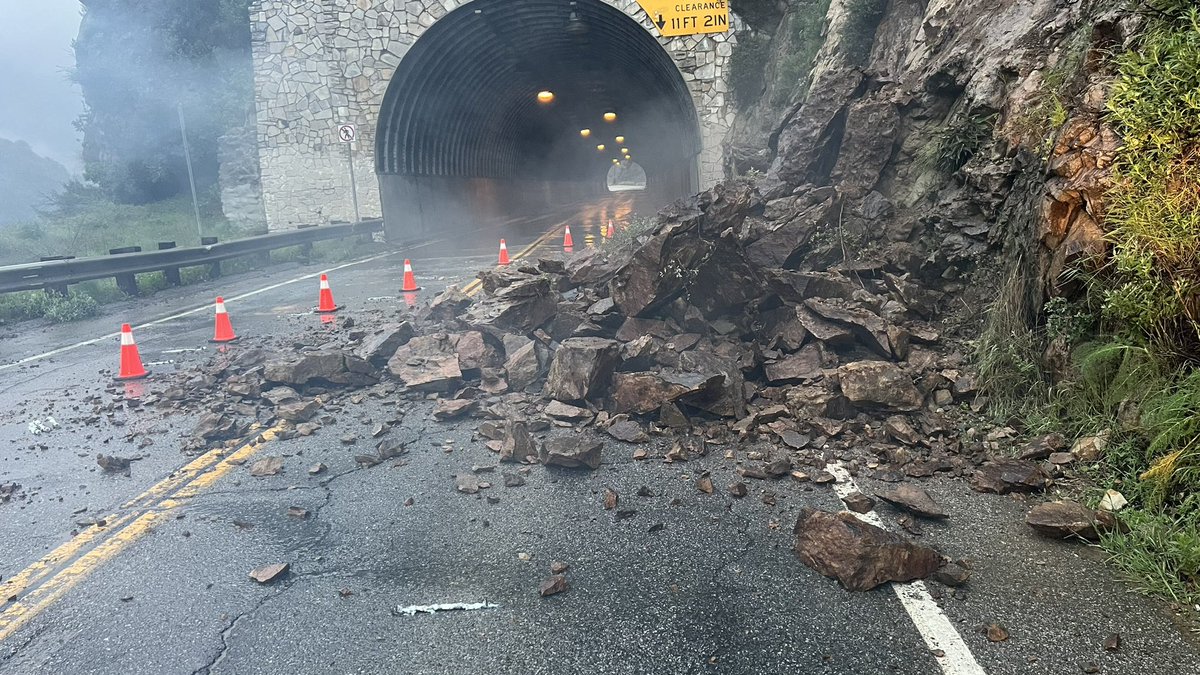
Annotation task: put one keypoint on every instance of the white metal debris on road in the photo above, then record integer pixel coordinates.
(39, 427)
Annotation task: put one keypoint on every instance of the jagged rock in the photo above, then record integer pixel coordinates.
(611, 499)
(952, 575)
(449, 304)
(114, 464)
(379, 346)
(582, 367)
(1089, 448)
(1070, 519)
(512, 480)
(519, 445)
(267, 466)
(879, 382)
(643, 393)
(628, 431)
(783, 324)
(277, 395)
(572, 452)
(523, 366)
(1043, 446)
(556, 583)
(472, 350)
(448, 409)
(320, 365)
(738, 490)
(826, 331)
(726, 399)
(858, 502)
(297, 411)
(898, 428)
(1002, 476)
(522, 306)
(427, 363)
(268, 573)
(669, 414)
(215, 426)
(803, 365)
(467, 483)
(1113, 501)
(868, 328)
(566, 411)
(857, 554)
(914, 500)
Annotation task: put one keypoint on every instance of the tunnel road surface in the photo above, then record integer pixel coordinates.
(673, 581)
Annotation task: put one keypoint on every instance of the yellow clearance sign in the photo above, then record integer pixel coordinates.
(674, 17)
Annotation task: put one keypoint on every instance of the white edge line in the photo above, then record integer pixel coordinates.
(931, 622)
(203, 308)
(235, 298)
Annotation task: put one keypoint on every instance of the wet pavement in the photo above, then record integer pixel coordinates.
(686, 583)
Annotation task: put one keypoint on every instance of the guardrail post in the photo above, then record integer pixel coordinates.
(171, 273)
(214, 269)
(306, 249)
(126, 282)
(56, 289)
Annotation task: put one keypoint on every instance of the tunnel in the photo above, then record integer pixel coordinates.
(510, 107)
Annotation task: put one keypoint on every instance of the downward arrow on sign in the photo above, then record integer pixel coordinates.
(661, 22)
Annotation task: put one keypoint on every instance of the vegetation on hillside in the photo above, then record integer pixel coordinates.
(1121, 359)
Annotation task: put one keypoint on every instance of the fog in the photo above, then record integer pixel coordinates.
(38, 103)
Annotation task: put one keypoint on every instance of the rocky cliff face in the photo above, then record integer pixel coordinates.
(935, 134)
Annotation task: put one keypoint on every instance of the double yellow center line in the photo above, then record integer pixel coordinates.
(28, 593)
(35, 588)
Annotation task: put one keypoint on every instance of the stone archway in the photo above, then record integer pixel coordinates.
(324, 62)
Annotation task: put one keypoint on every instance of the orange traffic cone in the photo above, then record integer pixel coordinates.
(410, 281)
(503, 253)
(325, 299)
(131, 361)
(224, 329)
(609, 233)
(568, 242)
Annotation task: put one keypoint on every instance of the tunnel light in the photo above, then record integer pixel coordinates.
(616, 161)
(620, 140)
(610, 117)
(585, 132)
(546, 96)
(600, 147)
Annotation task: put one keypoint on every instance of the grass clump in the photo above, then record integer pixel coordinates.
(56, 308)
(951, 147)
(1154, 212)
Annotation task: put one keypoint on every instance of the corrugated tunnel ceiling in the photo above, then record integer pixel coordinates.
(463, 101)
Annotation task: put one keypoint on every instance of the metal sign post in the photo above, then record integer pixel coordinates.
(346, 134)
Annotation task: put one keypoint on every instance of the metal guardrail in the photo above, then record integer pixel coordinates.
(58, 274)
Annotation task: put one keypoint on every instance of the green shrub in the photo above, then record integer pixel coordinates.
(1154, 212)
(74, 306)
(951, 147)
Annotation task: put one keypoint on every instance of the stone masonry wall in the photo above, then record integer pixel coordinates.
(320, 63)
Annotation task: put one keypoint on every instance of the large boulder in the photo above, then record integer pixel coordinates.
(379, 346)
(581, 368)
(317, 365)
(881, 383)
(859, 555)
(645, 392)
(1070, 519)
(427, 363)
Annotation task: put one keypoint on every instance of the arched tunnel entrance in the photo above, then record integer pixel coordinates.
(506, 107)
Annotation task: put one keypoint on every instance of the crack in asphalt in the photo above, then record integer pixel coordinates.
(227, 632)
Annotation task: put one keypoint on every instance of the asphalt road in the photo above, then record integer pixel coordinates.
(689, 583)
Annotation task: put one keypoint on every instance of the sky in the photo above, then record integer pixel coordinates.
(37, 102)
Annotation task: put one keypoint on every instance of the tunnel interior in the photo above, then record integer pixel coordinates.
(466, 130)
